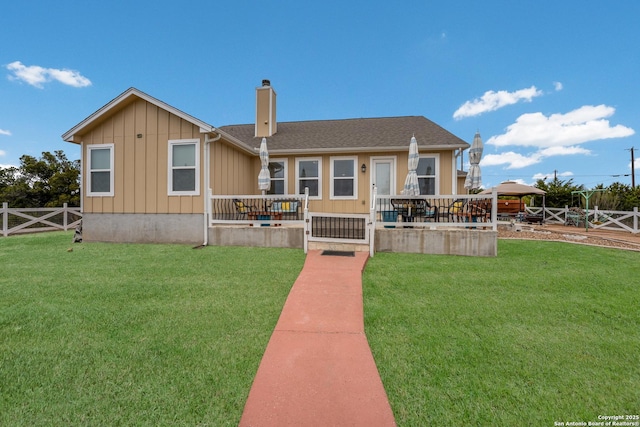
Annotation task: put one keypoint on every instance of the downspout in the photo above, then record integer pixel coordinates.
(207, 181)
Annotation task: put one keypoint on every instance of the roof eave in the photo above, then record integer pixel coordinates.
(364, 149)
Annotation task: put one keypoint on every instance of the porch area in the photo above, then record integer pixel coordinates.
(449, 225)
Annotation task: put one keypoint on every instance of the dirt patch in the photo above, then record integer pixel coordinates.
(567, 237)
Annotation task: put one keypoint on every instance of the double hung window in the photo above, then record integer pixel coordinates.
(278, 173)
(427, 175)
(309, 174)
(100, 170)
(344, 179)
(184, 167)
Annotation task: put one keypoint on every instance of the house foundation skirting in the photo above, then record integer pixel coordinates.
(268, 237)
(142, 228)
(467, 242)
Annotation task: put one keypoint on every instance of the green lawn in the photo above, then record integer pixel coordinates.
(134, 334)
(114, 334)
(545, 332)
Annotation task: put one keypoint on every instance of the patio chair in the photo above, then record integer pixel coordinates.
(454, 211)
(242, 209)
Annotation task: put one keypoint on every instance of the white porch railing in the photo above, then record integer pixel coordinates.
(257, 210)
(434, 212)
(27, 220)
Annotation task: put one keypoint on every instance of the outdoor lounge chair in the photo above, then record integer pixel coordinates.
(288, 208)
(242, 209)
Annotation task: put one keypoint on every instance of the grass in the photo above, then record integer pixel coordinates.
(134, 334)
(115, 334)
(545, 332)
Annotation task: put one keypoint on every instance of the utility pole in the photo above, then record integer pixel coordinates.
(633, 170)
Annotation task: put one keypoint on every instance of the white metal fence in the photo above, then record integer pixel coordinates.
(437, 212)
(29, 220)
(257, 210)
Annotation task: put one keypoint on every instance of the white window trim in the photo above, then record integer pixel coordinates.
(436, 157)
(356, 170)
(306, 159)
(285, 172)
(111, 170)
(173, 142)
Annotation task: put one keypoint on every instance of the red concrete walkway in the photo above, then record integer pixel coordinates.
(318, 369)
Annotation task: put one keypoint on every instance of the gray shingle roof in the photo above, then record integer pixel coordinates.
(372, 134)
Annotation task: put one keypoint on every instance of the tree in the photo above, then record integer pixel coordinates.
(618, 196)
(46, 182)
(559, 192)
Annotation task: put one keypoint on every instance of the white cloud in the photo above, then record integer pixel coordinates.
(37, 76)
(3, 153)
(551, 174)
(492, 101)
(558, 86)
(511, 159)
(564, 151)
(587, 123)
(5, 132)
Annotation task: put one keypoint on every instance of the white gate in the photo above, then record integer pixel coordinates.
(339, 228)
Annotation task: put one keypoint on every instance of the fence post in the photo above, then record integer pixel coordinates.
(64, 216)
(494, 209)
(635, 219)
(372, 221)
(307, 222)
(5, 219)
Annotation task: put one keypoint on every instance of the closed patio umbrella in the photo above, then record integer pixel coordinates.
(264, 178)
(474, 177)
(411, 186)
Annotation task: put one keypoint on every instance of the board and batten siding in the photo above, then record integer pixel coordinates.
(363, 202)
(233, 171)
(140, 164)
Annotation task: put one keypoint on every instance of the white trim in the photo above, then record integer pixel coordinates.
(319, 177)
(332, 178)
(111, 170)
(170, 167)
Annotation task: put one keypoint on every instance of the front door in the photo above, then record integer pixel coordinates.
(383, 176)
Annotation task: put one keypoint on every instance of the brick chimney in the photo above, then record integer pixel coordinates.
(266, 124)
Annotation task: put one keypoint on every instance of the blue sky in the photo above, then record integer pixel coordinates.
(552, 86)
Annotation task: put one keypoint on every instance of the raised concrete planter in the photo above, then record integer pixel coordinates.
(438, 242)
(269, 237)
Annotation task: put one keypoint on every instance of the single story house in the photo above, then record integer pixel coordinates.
(149, 168)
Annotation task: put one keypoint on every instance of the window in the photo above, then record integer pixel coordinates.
(344, 183)
(278, 172)
(184, 167)
(100, 170)
(427, 175)
(308, 174)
